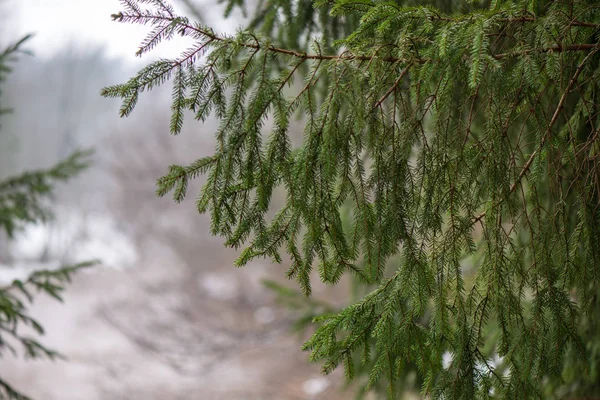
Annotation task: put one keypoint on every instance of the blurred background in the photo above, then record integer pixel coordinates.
(165, 315)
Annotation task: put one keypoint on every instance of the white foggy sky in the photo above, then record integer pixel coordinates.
(86, 23)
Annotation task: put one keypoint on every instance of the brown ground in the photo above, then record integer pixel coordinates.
(162, 331)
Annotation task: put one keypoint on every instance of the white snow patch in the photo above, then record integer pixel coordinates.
(446, 359)
(496, 360)
(76, 237)
(106, 243)
(315, 386)
(219, 287)
(22, 270)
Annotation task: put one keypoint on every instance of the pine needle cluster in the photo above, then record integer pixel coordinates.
(463, 141)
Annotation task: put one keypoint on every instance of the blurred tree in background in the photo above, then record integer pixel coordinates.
(449, 164)
(24, 200)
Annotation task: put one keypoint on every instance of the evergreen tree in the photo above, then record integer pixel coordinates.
(23, 200)
(449, 163)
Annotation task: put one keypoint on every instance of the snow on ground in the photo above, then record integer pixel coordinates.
(155, 328)
(73, 237)
(22, 269)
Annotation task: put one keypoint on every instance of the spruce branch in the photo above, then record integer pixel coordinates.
(183, 27)
(414, 125)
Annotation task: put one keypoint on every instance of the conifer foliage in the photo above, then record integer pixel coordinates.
(462, 140)
(23, 200)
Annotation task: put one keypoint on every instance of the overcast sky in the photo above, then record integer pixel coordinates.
(86, 23)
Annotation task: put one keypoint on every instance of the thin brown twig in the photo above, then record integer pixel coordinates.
(346, 56)
(395, 85)
(555, 116)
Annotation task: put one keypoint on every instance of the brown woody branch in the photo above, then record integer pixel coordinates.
(559, 108)
(347, 55)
